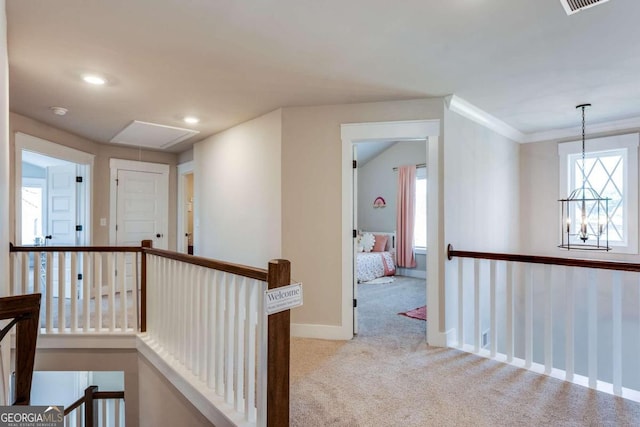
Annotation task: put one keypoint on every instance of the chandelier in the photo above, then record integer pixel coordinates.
(585, 214)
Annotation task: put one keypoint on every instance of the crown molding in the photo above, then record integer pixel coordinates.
(458, 105)
(556, 134)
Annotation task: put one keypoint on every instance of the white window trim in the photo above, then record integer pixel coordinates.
(617, 142)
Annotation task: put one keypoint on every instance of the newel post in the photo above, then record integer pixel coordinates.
(143, 285)
(278, 348)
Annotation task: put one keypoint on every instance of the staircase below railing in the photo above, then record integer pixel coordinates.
(577, 320)
(96, 408)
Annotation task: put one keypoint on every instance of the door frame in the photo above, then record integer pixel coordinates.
(133, 165)
(183, 170)
(48, 148)
(428, 130)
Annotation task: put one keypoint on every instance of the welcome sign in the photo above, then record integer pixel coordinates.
(284, 298)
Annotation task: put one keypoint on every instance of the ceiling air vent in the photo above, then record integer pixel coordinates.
(573, 6)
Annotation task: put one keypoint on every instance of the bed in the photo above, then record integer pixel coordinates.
(375, 259)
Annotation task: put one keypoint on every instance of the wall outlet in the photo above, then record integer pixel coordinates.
(103, 222)
(485, 338)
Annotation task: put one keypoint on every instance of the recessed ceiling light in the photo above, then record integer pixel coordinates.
(191, 120)
(94, 79)
(59, 111)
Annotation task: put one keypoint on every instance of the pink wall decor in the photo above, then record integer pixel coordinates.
(379, 202)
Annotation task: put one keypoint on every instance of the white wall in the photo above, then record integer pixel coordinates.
(377, 178)
(238, 193)
(4, 154)
(4, 187)
(312, 199)
(481, 197)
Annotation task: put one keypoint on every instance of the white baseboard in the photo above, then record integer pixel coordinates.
(323, 332)
(411, 272)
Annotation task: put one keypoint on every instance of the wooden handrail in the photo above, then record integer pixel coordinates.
(96, 395)
(534, 259)
(24, 310)
(240, 270)
(13, 248)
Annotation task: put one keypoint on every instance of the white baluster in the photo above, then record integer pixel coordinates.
(593, 329)
(62, 282)
(617, 332)
(111, 270)
(493, 334)
(548, 322)
(25, 273)
(509, 311)
(250, 345)
(203, 340)
(74, 292)
(87, 261)
(476, 305)
(220, 329)
(97, 289)
(122, 285)
(229, 337)
(528, 313)
(460, 303)
(211, 329)
(37, 272)
(569, 325)
(134, 291)
(49, 292)
(241, 285)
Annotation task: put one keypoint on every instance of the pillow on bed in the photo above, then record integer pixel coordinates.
(367, 241)
(380, 243)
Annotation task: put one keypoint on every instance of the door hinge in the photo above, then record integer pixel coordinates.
(355, 234)
(78, 179)
(117, 181)
(116, 227)
(79, 276)
(78, 228)
(355, 164)
(355, 303)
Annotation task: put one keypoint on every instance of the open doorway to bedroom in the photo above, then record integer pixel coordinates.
(390, 210)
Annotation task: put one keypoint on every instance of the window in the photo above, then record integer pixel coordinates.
(610, 168)
(420, 227)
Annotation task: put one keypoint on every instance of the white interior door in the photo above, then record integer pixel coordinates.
(62, 218)
(141, 209)
(355, 240)
(62, 212)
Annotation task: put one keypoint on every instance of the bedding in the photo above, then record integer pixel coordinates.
(371, 265)
(376, 256)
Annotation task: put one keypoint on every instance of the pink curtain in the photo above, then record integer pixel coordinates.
(406, 215)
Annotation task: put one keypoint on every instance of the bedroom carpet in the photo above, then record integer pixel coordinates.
(389, 376)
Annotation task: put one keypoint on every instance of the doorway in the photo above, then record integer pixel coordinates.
(384, 286)
(428, 130)
(53, 200)
(139, 207)
(186, 208)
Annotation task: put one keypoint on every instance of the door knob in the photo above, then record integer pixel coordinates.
(159, 235)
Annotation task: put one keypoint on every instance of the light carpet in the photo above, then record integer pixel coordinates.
(388, 376)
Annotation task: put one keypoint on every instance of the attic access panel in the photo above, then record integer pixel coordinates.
(151, 135)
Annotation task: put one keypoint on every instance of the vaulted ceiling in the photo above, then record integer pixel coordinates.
(227, 61)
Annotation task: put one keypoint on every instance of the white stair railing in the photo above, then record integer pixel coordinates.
(575, 320)
(207, 323)
(84, 289)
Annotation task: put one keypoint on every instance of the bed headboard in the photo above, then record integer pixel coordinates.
(391, 241)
